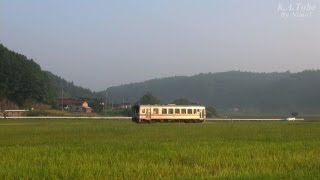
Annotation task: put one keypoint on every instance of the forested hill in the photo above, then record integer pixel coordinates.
(233, 91)
(21, 79)
(23, 82)
(69, 89)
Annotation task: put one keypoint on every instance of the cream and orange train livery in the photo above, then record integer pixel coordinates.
(168, 113)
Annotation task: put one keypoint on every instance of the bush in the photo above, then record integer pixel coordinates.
(37, 113)
(118, 112)
(211, 112)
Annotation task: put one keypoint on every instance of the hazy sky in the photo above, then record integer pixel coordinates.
(101, 43)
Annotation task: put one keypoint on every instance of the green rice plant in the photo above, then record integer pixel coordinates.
(120, 149)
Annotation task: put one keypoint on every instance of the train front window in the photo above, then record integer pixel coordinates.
(177, 111)
(155, 111)
(189, 111)
(136, 109)
(164, 111)
(170, 111)
(183, 111)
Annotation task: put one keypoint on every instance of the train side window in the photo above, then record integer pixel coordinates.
(177, 111)
(194, 111)
(155, 111)
(183, 111)
(143, 111)
(189, 111)
(170, 111)
(164, 111)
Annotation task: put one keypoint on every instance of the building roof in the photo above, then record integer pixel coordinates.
(69, 102)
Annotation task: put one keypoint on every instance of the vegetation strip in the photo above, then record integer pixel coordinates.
(65, 117)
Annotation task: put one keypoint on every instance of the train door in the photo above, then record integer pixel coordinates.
(202, 113)
(148, 114)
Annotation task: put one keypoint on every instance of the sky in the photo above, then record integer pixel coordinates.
(102, 43)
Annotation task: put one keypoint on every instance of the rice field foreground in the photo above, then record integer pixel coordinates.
(120, 149)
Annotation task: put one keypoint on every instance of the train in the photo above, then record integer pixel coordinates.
(168, 113)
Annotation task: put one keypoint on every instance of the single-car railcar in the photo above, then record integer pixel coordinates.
(168, 113)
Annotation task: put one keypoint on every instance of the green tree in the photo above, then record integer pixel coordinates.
(96, 105)
(181, 101)
(211, 112)
(294, 114)
(148, 98)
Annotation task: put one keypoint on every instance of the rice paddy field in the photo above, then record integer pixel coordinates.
(120, 149)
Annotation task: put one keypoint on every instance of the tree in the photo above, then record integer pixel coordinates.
(294, 114)
(97, 105)
(148, 98)
(181, 101)
(211, 112)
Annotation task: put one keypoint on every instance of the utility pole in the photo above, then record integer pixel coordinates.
(106, 104)
(62, 99)
(112, 105)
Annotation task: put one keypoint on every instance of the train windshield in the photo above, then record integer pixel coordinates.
(136, 109)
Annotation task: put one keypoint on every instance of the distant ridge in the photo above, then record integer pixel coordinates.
(245, 92)
(23, 82)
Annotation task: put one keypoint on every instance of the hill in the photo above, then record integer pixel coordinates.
(21, 79)
(69, 89)
(22, 82)
(245, 92)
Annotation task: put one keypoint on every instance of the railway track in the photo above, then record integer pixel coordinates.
(129, 118)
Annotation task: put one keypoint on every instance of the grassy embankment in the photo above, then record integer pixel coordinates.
(109, 149)
(57, 113)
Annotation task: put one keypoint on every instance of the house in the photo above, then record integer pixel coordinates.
(86, 108)
(73, 105)
(121, 106)
(125, 106)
